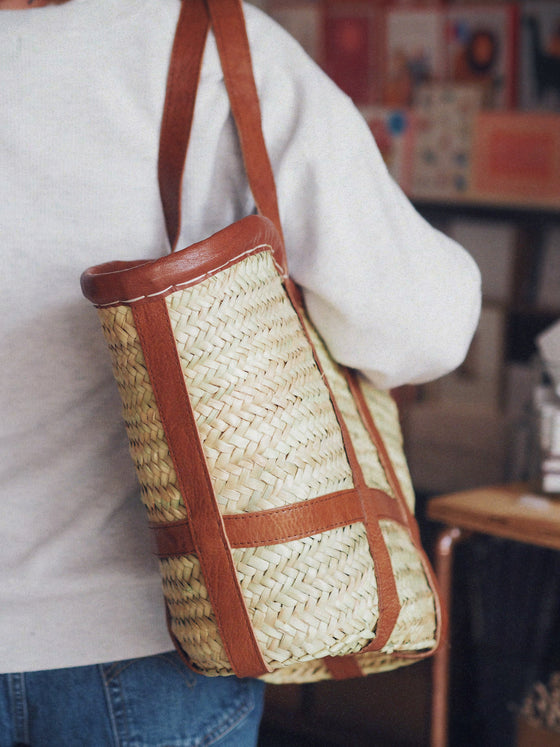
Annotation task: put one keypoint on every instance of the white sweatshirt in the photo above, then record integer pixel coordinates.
(81, 95)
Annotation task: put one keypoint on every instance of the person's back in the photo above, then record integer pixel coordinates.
(83, 85)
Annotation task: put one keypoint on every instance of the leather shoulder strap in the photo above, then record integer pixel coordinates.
(228, 25)
(182, 82)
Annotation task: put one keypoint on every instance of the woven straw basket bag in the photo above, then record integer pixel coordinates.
(274, 479)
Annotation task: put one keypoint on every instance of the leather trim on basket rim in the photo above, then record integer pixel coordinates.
(116, 283)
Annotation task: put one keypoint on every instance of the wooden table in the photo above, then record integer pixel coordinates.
(513, 512)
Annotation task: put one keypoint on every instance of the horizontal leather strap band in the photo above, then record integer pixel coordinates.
(278, 525)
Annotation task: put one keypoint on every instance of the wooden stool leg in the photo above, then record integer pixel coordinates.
(445, 545)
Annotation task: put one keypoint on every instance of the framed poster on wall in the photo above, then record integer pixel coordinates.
(481, 44)
(414, 52)
(353, 45)
(516, 158)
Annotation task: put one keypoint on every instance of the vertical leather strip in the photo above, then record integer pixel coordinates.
(233, 46)
(389, 604)
(408, 517)
(182, 83)
(212, 548)
(228, 25)
(384, 458)
(343, 667)
(388, 598)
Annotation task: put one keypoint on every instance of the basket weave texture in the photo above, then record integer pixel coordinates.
(271, 439)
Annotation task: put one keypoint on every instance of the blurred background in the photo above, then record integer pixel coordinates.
(463, 99)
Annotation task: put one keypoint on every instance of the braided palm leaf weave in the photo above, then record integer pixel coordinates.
(270, 439)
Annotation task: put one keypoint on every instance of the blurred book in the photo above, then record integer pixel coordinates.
(548, 282)
(516, 158)
(454, 446)
(353, 47)
(539, 55)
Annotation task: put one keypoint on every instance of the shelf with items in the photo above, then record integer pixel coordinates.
(448, 149)
(463, 97)
(479, 208)
(469, 427)
(514, 245)
(464, 105)
(382, 51)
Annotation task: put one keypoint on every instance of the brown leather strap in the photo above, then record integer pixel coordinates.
(212, 548)
(231, 37)
(278, 525)
(384, 458)
(228, 25)
(182, 83)
(388, 598)
(343, 667)
(406, 514)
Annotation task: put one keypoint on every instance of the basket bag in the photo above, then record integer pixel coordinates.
(274, 479)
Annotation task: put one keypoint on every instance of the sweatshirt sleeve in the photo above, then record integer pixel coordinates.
(391, 295)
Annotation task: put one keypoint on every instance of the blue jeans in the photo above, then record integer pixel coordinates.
(150, 702)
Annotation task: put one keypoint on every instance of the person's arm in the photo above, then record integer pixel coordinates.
(391, 296)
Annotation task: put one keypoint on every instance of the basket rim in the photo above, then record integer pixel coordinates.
(117, 282)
